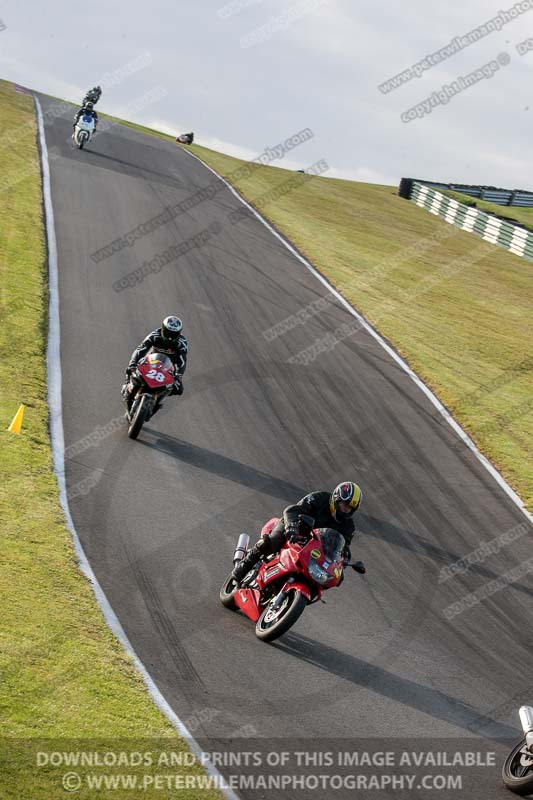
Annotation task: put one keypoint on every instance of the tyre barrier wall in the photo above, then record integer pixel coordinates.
(492, 229)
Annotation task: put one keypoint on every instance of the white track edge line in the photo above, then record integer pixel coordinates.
(54, 378)
(517, 500)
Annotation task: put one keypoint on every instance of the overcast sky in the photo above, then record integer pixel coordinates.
(246, 74)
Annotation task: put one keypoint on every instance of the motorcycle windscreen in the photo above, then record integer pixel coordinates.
(333, 543)
(159, 361)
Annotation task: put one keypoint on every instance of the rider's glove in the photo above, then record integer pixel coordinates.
(299, 536)
(178, 386)
(292, 531)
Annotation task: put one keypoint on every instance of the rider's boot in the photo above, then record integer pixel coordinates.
(243, 567)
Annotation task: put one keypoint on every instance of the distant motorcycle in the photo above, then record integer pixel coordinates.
(275, 593)
(84, 130)
(185, 138)
(92, 97)
(517, 771)
(149, 384)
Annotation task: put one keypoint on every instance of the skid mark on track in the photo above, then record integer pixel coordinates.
(165, 627)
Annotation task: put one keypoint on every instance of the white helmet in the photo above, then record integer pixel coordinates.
(171, 328)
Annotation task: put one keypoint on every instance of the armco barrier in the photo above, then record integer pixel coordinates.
(492, 229)
(502, 197)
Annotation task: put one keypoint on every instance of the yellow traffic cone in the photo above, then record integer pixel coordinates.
(16, 425)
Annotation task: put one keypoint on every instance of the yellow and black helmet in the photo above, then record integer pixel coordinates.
(346, 492)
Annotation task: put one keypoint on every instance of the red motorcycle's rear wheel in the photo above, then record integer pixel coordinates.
(272, 625)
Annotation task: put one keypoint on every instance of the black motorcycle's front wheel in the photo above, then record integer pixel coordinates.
(226, 593)
(274, 623)
(140, 416)
(517, 771)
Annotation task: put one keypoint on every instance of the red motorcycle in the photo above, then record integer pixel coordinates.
(149, 384)
(275, 593)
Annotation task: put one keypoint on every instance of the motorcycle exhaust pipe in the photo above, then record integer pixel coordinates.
(526, 718)
(243, 545)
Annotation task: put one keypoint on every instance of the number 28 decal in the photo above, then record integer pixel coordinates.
(155, 375)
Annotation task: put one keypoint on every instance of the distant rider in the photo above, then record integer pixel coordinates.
(93, 95)
(329, 510)
(167, 339)
(86, 111)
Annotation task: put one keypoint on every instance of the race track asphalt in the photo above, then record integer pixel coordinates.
(159, 517)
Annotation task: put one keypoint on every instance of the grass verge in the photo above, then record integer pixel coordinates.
(65, 677)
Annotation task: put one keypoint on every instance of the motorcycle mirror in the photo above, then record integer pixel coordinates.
(359, 567)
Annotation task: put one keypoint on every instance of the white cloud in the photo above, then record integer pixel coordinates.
(321, 71)
(164, 127)
(360, 174)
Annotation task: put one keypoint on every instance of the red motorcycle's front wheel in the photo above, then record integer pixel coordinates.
(273, 624)
(140, 415)
(227, 591)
